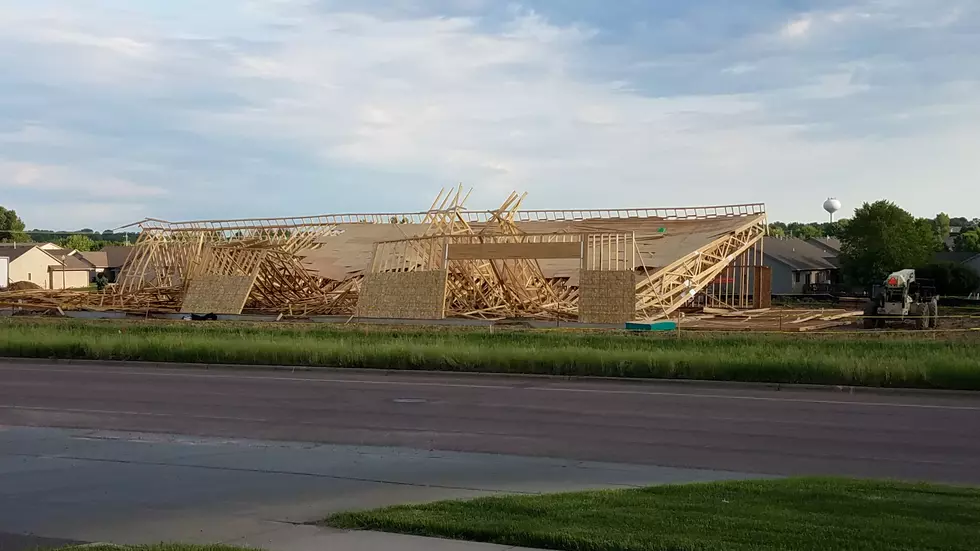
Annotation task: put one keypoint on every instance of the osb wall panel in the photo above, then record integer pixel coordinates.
(403, 295)
(606, 296)
(500, 251)
(217, 294)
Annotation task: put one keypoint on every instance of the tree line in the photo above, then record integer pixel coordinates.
(967, 240)
(13, 230)
(882, 238)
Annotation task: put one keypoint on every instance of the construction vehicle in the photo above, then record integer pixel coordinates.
(903, 298)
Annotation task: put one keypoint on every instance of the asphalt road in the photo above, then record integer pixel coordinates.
(754, 431)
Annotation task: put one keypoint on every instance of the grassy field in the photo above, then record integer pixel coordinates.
(923, 361)
(784, 515)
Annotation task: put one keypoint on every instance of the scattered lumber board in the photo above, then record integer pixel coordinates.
(822, 326)
(842, 316)
(807, 318)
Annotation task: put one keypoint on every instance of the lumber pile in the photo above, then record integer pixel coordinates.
(157, 300)
(766, 319)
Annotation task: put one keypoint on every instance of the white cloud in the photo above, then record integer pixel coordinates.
(797, 28)
(55, 214)
(73, 183)
(517, 105)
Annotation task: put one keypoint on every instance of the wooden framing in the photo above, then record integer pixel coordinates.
(512, 251)
(168, 256)
(490, 259)
(492, 276)
(661, 293)
(444, 201)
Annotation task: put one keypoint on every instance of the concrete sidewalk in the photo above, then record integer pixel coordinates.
(312, 538)
(137, 488)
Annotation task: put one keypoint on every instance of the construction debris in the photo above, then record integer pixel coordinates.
(502, 263)
(792, 320)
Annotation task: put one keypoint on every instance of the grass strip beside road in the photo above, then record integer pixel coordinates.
(906, 361)
(784, 515)
(156, 547)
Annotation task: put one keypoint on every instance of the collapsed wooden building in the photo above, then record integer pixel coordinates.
(602, 266)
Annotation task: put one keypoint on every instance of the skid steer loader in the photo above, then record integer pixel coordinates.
(903, 298)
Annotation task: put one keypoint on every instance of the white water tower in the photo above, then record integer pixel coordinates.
(831, 206)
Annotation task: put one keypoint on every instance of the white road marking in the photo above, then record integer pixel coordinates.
(140, 413)
(145, 372)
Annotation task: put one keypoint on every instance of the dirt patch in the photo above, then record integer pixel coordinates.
(23, 286)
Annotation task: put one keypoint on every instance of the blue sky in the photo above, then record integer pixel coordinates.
(113, 110)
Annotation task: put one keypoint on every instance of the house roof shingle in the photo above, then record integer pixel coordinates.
(958, 257)
(71, 264)
(828, 244)
(116, 255)
(98, 259)
(58, 253)
(797, 254)
(13, 252)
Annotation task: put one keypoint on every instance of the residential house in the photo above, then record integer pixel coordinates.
(115, 259)
(799, 266)
(968, 259)
(97, 261)
(4, 271)
(829, 245)
(46, 266)
(70, 273)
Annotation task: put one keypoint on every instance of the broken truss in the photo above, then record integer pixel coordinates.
(170, 254)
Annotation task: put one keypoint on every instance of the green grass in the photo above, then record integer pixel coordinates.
(880, 361)
(784, 515)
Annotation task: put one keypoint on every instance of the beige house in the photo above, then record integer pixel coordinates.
(108, 262)
(45, 265)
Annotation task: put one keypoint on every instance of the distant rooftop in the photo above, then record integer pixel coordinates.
(797, 253)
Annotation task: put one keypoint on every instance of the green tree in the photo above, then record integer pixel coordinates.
(101, 281)
(835, 228)
(77, 242)
(941, 226)
(11, 227)
(968, 241)
(804, 231)
(882, 238)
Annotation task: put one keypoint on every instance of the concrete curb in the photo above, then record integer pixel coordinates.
(691, 383)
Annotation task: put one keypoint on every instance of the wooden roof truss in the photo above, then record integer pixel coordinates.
(662, 292)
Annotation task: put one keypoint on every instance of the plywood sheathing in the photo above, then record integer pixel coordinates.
(403, 295)
(217, 294)
(607, 296)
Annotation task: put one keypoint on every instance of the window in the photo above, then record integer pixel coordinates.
(797, 277)
(28, 276)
